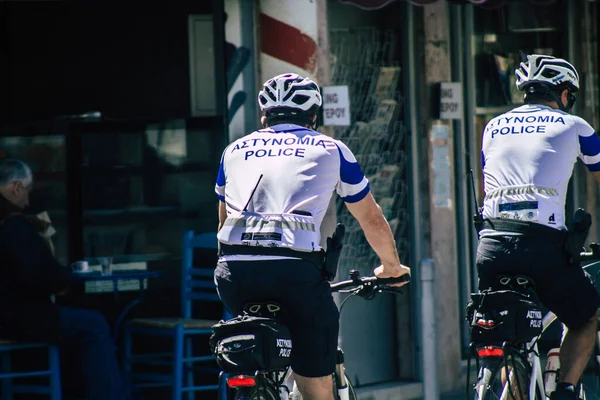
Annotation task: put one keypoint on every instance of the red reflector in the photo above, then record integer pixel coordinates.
(490, 351)
(487, 324)
(241, 381)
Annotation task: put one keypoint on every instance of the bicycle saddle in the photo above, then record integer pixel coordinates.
(518, 282)
(266, 309)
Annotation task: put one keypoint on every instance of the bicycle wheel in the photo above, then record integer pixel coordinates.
(505, 378)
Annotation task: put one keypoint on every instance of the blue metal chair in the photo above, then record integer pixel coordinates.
(197, 284)
(8, 376)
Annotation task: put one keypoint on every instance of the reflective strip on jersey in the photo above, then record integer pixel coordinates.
(295, 232)
(299, 170)
(265, 223)
(528, 156)
(528, 189)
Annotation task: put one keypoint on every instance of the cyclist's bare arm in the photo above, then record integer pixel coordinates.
(222, 218)
(379, 235)
(222, 215)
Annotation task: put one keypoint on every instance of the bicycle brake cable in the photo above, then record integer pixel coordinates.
(354, 293)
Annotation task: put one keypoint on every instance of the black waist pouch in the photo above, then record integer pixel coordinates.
(247, 344)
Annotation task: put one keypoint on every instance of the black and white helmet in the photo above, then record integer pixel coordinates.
(547, 70)
(289, 91)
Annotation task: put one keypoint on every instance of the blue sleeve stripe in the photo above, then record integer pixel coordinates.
(350, 172)
(590, 160)
(593, 167)
(358, 196)
(221, 175)
(222, 198)
(482, 161)
(590, 145)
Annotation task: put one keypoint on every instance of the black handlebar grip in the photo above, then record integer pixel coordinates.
(389, 281)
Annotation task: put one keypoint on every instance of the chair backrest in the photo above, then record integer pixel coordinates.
(197, 282)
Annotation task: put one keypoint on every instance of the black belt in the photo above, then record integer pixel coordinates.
(558, 237)
(316, 257)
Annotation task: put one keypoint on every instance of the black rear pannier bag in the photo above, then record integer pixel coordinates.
(247, 344)
(504, 315)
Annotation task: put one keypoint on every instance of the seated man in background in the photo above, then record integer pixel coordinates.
(29, 275)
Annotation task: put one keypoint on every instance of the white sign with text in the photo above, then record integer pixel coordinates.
(451, 100)
(336, 106)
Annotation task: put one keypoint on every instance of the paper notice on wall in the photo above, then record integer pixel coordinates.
(336, 106)
(440, 166)
(451, 102)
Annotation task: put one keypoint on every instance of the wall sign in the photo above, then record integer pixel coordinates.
(336, 106)
(451, 101)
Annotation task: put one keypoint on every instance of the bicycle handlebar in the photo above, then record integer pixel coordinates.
(367, 285)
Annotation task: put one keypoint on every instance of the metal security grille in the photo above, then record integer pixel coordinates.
(367, 61)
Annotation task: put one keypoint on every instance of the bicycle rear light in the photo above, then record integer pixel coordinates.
(241, 381)
(490, 351)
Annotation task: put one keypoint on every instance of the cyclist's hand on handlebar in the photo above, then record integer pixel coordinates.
(387, 272)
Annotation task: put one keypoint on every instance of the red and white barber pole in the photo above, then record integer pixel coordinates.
(288, 38)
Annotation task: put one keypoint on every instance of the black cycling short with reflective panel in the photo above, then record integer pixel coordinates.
(309, 309)
(561, 287)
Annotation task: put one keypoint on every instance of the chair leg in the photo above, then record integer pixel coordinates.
(127, 355)
(7, 393)
(177, 363)
(54, 362)
(189, 367)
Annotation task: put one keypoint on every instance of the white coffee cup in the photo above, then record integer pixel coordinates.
(80, 266)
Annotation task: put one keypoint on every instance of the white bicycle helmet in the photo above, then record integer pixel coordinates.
(289, 91)
(547, 70)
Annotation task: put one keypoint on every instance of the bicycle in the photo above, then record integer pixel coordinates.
(277, 383)
(512, 369)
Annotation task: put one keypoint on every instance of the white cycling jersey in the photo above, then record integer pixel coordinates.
(528, 156)
(277, 182)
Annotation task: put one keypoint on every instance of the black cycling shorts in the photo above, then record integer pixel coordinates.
(563, 288)
(298, 287)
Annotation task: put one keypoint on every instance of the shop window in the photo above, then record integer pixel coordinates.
(503, 38)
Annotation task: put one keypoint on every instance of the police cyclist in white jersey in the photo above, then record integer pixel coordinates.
(528, 155)
(274, 187)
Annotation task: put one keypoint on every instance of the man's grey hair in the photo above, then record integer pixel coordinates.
(13, 170)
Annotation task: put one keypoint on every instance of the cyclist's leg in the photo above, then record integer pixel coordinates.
(312, 317)
(576, 349)
(315, 388)
(567, 292)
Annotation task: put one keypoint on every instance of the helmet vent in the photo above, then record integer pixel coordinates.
(300, 99)
(549, 73)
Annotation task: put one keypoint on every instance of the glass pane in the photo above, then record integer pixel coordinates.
(143, 186)
(503, 38)
(46, 157)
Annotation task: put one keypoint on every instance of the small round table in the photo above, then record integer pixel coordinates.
(115, 277)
